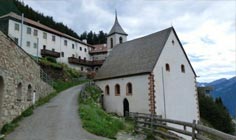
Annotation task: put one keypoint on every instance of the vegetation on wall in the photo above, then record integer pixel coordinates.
(215, 113)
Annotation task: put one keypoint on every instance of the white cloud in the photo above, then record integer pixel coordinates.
(206, 28)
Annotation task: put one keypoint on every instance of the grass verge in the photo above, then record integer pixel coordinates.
(58, 86)
(96, 120)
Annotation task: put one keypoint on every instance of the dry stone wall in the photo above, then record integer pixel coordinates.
(19, 78)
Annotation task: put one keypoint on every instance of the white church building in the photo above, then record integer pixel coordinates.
(151, 74)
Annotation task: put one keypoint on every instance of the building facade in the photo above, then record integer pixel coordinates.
(151, 74)
(40, 41)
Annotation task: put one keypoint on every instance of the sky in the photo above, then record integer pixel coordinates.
(206, 28)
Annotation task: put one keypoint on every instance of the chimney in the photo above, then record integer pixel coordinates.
(84, 40)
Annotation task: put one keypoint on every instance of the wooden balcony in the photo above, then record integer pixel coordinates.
(78, 61)
(45, 52)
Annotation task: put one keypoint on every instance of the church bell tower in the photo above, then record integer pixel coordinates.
(116, 35)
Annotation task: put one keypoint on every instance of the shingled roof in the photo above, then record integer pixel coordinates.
(134, 57)
(116, 28)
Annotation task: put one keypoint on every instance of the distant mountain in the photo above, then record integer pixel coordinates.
(226, 89)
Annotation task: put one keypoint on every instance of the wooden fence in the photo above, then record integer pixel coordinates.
(155, 125)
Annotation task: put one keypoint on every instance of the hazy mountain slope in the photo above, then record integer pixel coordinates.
(226, 89)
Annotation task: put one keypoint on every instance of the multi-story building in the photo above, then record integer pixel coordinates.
(39, 40)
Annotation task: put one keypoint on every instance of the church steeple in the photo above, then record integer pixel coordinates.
(116, 28)
(116, 35)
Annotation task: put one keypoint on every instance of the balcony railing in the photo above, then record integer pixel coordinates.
(45, 52)
(78, 61)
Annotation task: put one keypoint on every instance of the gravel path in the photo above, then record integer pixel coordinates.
(56, 120)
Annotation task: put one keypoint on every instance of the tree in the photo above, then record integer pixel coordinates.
(215, 113)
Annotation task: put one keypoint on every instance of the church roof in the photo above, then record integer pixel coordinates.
(116, 28)
(134, 57)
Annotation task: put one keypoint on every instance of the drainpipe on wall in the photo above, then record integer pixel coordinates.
(163, 88)
(37, 49)
(21, 33)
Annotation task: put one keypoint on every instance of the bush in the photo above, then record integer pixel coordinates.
(51, 59)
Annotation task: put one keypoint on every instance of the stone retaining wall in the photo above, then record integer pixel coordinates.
(20, 78)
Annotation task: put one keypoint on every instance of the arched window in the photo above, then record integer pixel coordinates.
(182, 68)
(117, 89)
(121, 40)
(111, 40)
(129, 89)
(107, 90)
(167, 67)
(19, 92)
(29, 93)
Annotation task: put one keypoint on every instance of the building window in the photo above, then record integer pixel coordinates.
(16, 40)
(62, 54)
(44, 35)
(53, 49)
(65, 42)
(121, 40)
(35, 32)
(167, 67)
(28, 30)
(35, 45)
(129, 89)
(80, 48)
(53, 38)
(73, 46)
(79, 57)
(173, 42)
(85, 50)
(84, 58)
(19, 92)
(107, 90)
(117, 90)
(182, 68)
(29, 93)
(17, 27)
(28, 44)
(111, 40)
(44, 47)
(82, 68)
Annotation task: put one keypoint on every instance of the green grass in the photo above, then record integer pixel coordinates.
(97, 121)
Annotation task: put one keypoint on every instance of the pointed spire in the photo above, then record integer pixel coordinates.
(116, 27)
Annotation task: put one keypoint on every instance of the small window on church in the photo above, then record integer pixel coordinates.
(129, 89)
(107, 90)
(173, 42)
(111, 43)
(182, 68)
(117, 90)
(121, 40)
(167, 67)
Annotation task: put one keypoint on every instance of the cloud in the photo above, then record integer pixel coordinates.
(205, 28)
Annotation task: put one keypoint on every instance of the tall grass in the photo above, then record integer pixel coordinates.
(96, 120)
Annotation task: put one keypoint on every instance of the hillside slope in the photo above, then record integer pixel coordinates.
(226, 89)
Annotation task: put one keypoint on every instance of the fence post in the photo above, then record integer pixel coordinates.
(193, 130)
(152, 124)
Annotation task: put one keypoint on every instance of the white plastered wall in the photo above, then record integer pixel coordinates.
(179, 89)
(138, 101)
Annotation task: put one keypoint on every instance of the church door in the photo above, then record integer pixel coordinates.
(126, 106)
